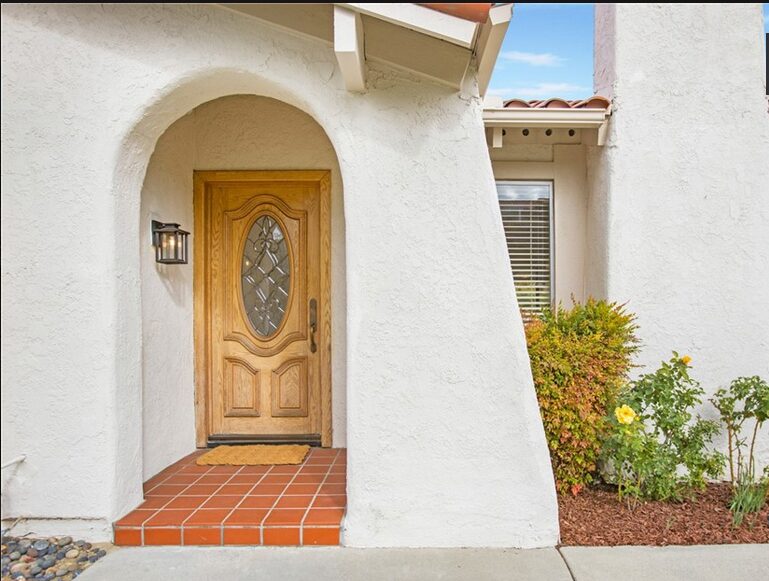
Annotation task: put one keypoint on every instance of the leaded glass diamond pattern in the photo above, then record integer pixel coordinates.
(266, 275)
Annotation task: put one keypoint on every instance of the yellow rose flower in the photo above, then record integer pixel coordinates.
(686, 360)
(625, 414)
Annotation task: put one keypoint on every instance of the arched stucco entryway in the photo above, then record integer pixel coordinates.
(230, 133)
(221, 119)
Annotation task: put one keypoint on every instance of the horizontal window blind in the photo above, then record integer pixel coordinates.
(526, 209)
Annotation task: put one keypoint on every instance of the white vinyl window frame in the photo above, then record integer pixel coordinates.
(512, 191)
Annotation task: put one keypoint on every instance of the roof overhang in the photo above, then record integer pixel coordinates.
(424, 20)
(555, 118)
(500, 118)
(426, 41)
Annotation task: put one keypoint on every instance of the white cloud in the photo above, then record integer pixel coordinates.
(534, 59)
(541, 91)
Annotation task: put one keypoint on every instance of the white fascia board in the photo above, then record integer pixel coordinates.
(425, 20)
(490, 43)
(348, 46)
(551, 118)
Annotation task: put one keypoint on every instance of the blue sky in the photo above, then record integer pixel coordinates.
(548, 52)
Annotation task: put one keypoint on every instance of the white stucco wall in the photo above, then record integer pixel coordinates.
(565, 165)
(238, 132)
(168, 388)
(678, 213)
(446, 446)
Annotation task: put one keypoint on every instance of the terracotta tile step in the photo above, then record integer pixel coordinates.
(229, 535)
(241, 505)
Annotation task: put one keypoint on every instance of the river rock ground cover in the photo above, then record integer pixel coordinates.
(47, 558)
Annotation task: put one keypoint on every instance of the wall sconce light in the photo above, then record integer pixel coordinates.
(170, 243)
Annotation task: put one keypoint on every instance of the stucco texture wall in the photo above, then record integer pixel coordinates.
(678, 208)
(237, 132)
(445, 443)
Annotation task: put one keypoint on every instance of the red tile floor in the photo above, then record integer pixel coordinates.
(187, 504)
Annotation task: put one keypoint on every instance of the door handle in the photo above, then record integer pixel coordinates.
(313, 324)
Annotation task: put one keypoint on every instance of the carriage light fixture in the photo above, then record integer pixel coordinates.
(170, 243)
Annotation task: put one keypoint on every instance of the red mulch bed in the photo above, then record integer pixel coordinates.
(596, 517)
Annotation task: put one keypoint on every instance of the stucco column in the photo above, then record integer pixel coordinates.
(678, 204)
(446, 446)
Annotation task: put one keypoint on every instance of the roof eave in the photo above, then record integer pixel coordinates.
(427, 21)
(444, 48)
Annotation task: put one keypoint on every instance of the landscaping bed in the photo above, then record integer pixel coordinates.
(596, 517)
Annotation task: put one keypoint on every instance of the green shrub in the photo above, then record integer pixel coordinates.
(580, 358)
(656, 450)
(746, 399)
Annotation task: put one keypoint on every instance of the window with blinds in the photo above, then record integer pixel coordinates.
(527, 217)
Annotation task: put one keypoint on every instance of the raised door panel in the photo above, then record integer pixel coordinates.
(289, 389)
(241, 389)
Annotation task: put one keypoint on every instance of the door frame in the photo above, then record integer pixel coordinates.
(201, 296)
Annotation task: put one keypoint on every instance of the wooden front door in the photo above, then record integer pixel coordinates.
(262, 312)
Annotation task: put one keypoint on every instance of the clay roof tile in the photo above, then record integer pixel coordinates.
(554, 103)
(517, 104)
(594, 102)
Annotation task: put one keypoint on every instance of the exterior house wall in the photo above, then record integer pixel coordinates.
(565, 165)
(168, 380)
(445, 442)
(678, 208)
(238, 132)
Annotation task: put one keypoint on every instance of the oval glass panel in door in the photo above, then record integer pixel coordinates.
(266, 275)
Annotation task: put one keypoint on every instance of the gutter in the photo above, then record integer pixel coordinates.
(571, 118)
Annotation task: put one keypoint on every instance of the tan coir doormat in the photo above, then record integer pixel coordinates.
(253, 455)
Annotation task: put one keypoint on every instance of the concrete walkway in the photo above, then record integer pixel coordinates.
(697, 563)
(722, 562)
